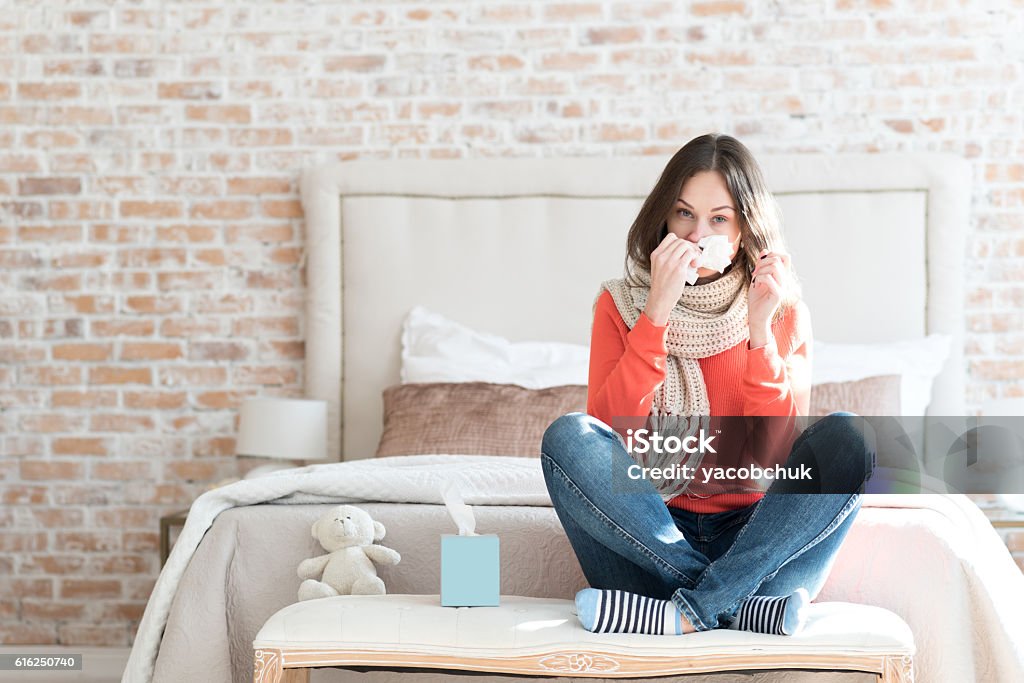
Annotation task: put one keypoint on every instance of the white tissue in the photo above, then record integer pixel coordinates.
(715, 255)
(459, 511)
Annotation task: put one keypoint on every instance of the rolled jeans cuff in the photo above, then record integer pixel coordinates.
(680, 602)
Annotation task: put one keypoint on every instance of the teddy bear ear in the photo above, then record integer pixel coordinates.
(316, 535)
(378, 530)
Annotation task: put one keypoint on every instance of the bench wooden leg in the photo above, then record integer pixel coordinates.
(267, 669)
(897, 669)
(266, 666)
(295, 676)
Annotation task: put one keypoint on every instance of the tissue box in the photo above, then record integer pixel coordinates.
(470, 570)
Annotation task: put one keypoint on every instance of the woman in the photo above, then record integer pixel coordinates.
(736, 342)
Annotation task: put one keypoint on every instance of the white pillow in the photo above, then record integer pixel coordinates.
(436, 349)
(917, 361)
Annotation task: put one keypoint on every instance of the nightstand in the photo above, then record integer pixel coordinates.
(1007, 519)
(1009, 524)
(175, 519)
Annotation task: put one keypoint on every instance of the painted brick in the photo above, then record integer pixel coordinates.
(120, 375)
(72, 446)
(49, 90)
(49, 186)
(121, 470)
(223, 209)
(259, 185)
(151, 209)
(34, 470)
(150, 351)
(90, 588)
(82, 352)
(227, 113)
(88, 398)
(100, 422)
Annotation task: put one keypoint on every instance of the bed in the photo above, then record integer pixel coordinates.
(517, 248)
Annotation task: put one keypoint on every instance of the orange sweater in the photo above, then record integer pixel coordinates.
(626, 366)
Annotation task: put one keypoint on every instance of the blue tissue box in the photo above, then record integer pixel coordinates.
(470, 570)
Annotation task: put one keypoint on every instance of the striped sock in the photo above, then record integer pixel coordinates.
(783, 615)
(615, 611)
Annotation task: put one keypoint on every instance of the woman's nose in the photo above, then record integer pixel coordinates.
(702, 230)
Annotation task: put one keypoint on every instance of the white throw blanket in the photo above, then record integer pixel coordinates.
(484, 480)
(976, 630)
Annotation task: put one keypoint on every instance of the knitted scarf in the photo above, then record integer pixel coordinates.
(707, 319)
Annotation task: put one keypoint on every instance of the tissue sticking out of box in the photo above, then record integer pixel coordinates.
(459, 511)
(715, 255)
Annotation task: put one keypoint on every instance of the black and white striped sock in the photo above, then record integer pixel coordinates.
(782, 615)
(615, 611)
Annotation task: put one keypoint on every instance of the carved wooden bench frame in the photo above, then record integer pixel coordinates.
(287, 665)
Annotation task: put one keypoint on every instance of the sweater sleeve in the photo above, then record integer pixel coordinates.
(777, 386)
(626, 365)
(778, 377)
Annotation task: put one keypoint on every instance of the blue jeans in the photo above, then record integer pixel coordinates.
(707, 564)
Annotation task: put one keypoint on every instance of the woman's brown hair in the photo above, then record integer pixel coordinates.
(759, 215)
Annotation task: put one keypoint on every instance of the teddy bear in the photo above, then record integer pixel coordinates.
(347, 533)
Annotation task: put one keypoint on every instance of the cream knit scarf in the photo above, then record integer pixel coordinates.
(707, 319)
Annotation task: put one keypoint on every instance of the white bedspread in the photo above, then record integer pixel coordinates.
(966, 614)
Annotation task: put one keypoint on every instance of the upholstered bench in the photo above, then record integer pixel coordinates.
(542, 637)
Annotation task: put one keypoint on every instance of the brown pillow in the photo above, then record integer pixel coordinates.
(868, 397)
(475, 418)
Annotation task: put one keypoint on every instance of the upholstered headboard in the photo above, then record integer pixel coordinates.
(518, 247)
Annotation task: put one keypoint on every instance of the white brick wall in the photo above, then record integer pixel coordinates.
(151, 233)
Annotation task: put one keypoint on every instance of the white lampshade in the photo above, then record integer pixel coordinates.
(283, 428)
(1003, 407)
(1006, 407)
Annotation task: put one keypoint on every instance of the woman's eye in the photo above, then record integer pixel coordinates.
(684, 213)
(724, 219)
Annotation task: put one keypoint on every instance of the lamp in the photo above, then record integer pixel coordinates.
(1007, 407)
(282, 429)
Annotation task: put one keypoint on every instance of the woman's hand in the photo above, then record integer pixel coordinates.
(670, 262)
(770, 278)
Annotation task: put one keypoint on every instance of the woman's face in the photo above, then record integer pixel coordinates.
(705, 207)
